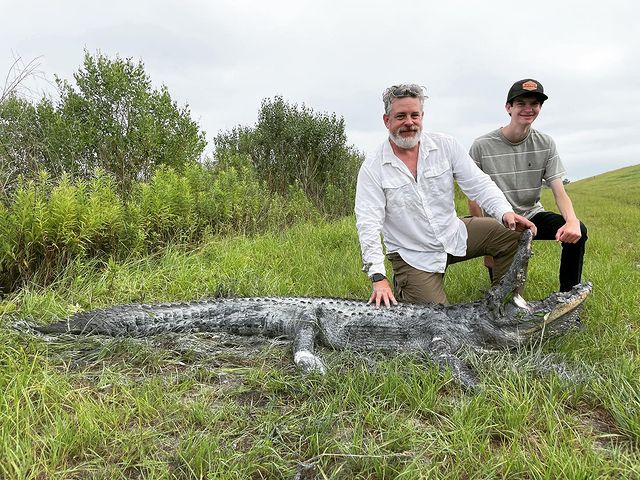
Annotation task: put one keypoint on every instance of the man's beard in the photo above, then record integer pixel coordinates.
(406, 142)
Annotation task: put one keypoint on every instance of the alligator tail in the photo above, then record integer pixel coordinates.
(121, 320)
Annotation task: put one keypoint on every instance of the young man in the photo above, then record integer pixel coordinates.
(405, 192)
(518, 158)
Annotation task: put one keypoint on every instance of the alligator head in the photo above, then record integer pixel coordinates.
(515, 321)
(528, 322)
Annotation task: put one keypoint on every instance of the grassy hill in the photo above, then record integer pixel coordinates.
(218, 406)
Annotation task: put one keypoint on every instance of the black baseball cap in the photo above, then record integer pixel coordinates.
(526, 86)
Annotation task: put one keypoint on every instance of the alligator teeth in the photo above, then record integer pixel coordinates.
(520, 302)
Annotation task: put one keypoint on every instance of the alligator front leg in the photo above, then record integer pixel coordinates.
(304, 345)
(441, 353)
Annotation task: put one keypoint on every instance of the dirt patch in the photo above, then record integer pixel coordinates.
(598, 423)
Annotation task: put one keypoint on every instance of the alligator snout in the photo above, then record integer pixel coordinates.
(569, 301)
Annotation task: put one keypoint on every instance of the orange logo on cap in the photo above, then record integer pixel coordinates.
(529, 85)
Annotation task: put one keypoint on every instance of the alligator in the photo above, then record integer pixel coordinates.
(500, 320)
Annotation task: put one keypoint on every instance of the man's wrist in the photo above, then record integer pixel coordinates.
(377, 277)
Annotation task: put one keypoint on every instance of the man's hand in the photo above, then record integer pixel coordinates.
(569, 232)
(516, 222)
(382, 292)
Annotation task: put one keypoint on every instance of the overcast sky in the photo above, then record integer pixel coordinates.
(222, 58)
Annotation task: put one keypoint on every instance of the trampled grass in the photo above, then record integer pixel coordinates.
(220, 406)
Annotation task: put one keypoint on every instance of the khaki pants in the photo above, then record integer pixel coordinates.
(486, 236)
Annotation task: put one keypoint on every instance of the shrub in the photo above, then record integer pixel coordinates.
(111, 119)
(46, 224)
(293, 145)
(166, 208)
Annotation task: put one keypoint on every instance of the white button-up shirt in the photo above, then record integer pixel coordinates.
(417, 217)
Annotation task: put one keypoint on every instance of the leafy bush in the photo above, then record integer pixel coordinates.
(166, 209)
(20, 140)
(46, 226)
(112, 119)
(46, 223)
(292, 145)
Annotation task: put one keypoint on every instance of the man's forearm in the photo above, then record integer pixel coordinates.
(372, 258)
(479, 187)
(566, 208)
(563, 202)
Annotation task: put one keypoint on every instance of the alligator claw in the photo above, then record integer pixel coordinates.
(309, 363)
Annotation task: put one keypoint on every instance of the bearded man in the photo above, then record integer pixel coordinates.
(405, 192)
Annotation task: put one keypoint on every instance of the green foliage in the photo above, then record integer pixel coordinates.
(112, 119)
(116, 121)
(46, 224)
(293, 145)
(165, 208)
(223, 406)
(20, 140)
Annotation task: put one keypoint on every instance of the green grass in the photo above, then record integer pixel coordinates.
(219, 406)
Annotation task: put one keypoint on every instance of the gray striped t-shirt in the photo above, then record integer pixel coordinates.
(519, 168)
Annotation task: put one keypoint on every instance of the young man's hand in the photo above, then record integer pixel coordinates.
(569, 232)
(382, 293)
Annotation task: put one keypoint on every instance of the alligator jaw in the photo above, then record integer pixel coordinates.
(512, 284)
(555, 314)
(566, 305)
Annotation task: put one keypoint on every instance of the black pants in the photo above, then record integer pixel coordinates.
(572, 257)
(548, 223)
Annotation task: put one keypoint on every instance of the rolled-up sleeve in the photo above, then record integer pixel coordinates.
(477, 185)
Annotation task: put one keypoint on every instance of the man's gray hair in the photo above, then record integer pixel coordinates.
(412, 90)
